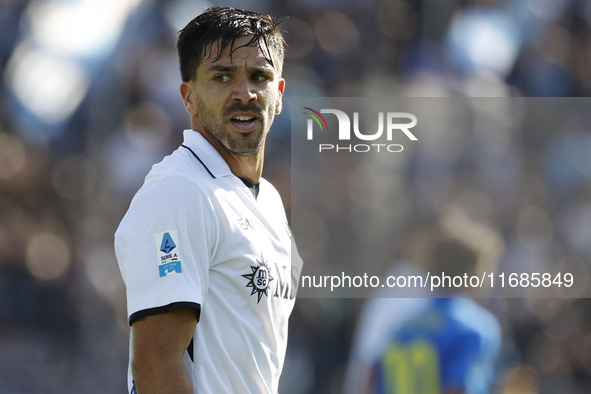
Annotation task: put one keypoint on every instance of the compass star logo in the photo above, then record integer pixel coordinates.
(259, 279)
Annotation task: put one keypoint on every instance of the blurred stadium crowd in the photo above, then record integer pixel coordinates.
(89, 101)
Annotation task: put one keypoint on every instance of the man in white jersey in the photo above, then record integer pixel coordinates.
(204, 249)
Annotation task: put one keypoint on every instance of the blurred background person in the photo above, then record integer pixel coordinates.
(431, 345)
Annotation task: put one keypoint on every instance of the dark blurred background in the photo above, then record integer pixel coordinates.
(89, 101)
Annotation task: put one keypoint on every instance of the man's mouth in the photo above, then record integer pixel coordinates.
(243, 119)
(244, 123)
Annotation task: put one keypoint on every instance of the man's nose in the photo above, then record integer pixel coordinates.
(244, 90)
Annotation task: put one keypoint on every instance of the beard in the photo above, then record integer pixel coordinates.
(247, 144)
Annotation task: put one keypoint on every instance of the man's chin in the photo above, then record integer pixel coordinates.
(244, 132)
(244, 150)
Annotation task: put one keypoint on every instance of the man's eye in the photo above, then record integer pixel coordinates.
(259, 78)
(222, 78)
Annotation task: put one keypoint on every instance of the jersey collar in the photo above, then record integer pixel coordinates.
(213, 162)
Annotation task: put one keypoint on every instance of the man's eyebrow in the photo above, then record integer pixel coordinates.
(233, 68)
(222, 67)
(260, 69)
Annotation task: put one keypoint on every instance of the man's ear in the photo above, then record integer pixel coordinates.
(186, 89)
(279, 101)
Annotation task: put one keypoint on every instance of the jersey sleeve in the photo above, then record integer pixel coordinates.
(164, 245)
(471, 361)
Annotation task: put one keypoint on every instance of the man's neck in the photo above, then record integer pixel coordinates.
(246, 167)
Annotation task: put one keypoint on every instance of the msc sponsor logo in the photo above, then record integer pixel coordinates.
(259, 279)
(390, 124)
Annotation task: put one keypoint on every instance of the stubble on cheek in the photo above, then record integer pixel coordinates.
(217, 126)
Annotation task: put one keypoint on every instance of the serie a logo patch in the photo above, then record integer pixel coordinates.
(168, 253)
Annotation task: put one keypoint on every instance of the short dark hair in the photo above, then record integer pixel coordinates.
(223, 25)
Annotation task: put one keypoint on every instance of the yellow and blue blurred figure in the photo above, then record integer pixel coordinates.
(441, 342)
(451, 347)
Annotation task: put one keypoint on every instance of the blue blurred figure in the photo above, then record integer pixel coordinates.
(445, 345)
(451, 347)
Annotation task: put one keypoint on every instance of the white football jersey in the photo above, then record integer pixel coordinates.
(195, 236)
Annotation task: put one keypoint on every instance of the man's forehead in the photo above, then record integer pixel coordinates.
(239, 51)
